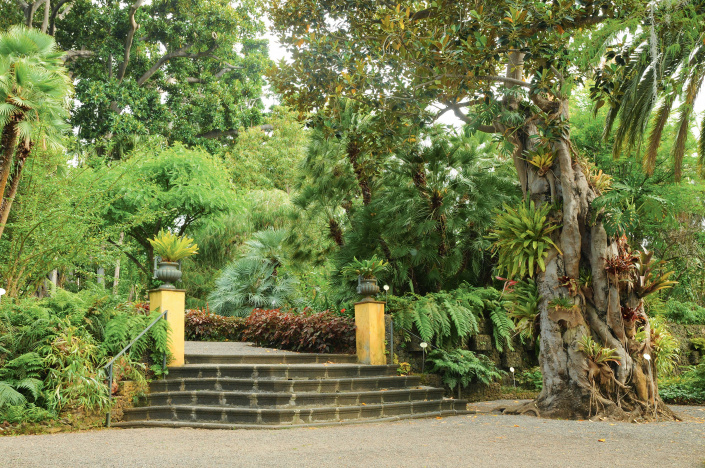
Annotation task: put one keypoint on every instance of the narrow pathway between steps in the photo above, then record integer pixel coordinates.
(228, 347)
(459, 441)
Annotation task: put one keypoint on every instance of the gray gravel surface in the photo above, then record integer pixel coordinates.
(483, 439)
(227, 348)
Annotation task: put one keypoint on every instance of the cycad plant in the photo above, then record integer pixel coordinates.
(34, 92)
(172, 248)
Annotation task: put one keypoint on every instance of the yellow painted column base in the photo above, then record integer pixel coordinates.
(369, 334)
(174, 302)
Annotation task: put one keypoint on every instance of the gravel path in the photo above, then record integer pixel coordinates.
(227, 348)
(483, 439)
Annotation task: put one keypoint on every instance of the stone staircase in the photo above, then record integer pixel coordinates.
(284, 390)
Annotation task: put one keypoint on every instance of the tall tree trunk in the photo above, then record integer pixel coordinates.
(100, 274)
(8, 141)
(116, 274)
(575, 385)
(23, 152)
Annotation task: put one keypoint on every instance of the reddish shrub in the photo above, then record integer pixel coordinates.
(322, 332)
(202, 325)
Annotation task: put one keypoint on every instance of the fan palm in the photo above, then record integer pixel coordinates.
(663, 66)
(34, 90)
(247, 284)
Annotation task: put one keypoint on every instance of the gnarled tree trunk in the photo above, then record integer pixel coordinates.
(576, 384)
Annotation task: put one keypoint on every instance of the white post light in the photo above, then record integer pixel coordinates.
(423, 345)
(511, 369)
(2, 292)
(651, 381)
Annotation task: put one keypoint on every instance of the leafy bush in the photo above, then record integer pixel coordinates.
(686, 313)
(688, 388)
(461, 366)
(52, 351)
(322, 332)
(202, 325)
(531, 379)
(449, 318)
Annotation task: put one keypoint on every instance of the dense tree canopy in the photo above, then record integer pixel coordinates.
(656, 72)
(188, 71)
(507, 68)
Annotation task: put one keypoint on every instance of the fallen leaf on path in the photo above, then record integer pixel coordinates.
(600, 440)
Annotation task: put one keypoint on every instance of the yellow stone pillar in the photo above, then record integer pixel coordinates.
(174, 302)
(369, 335)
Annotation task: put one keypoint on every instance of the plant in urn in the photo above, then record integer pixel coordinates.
(171, 249)
(366, 272)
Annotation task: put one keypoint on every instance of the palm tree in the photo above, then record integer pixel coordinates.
(34, 91)
(663, 65)
(253, 280)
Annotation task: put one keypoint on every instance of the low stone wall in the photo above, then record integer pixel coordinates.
(407, 349)
(690, 355)
(523, 356)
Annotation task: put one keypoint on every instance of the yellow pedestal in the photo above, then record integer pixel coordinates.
(173, 301)
(369, 320)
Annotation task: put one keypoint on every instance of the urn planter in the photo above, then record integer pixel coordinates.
(367, 286)
(168, 273)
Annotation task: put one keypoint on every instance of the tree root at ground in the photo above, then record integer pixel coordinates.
(634, 412)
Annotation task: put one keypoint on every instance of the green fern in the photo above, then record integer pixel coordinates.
(9, 396)
(449, 318)
(524, 306)
(460, 367)
(502, 328)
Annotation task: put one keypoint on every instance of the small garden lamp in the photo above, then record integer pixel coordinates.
(511, 369)
(386, 292)
(2, 292)
(423, 346)
(651, 378)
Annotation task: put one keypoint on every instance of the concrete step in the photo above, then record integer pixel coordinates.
(274, 358)
(289, 416)
(211, 425)
(279, 371)
(228, 384)
(285, 399)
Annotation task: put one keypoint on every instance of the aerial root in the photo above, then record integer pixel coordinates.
(522, 409)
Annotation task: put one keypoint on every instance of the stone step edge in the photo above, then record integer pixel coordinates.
(323, 365)
(245, 379)
(203, 425)
(271, 356)
(243, 409)
(284, 394)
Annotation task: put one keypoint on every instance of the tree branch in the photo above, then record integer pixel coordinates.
(130, 36)
(29, 9)
(54, 13)
(131, 257)
(504, 79)
(73, 54)
(217, 76)
(213, 134)
(45, 21)
(182, 52)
